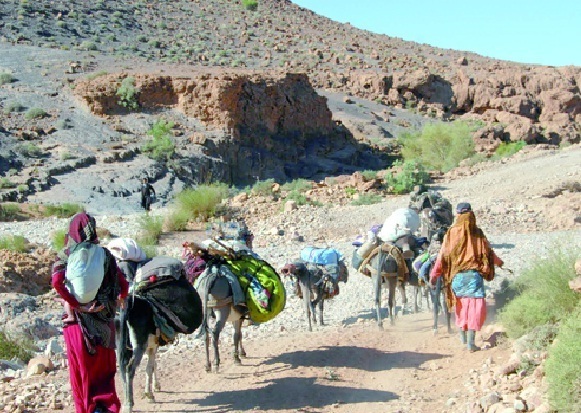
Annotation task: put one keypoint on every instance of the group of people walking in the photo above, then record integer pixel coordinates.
(465, 261)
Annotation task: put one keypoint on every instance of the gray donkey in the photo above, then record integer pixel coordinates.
(313, 285)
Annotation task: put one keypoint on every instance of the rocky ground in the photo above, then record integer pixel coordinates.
(347, 365)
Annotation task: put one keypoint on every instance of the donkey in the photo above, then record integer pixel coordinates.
(138, 332)
(438, 295)
(388, 268)
(207, 271)
(136, 336)
(311, 283)
(216, 294)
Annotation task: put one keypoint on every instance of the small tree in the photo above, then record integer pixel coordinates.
(128, 94)
(160, 147)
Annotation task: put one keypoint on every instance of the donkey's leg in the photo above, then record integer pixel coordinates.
(237, 336)
(138, 351)
(377, 285)
(124, 355)
(447, 314)
(207, 339)
(435, 294)
(417, 293)
(404, 300)
(222, 314)
(150, 377)
(306, 289)
(392, 282)
(242, 351)
(376, 279)
(321, 302)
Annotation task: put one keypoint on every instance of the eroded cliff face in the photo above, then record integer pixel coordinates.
(536, 104)
(254, 126)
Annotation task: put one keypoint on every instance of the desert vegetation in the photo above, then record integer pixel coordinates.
(546, 309)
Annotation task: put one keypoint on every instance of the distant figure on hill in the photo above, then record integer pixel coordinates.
(146, 192)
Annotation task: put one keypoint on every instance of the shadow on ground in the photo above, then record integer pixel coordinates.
(362, 358)
(290, 393)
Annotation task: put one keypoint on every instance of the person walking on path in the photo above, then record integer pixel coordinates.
(89, 333)
(465, 261)
(146, 192)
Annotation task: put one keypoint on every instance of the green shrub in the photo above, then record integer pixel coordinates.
(22, 188)
(251, 5)
(300, 185)
(95, 75)
(150, 230)
(411, 174)
(369, 175)
(35, 113)
(9, 211)
(13, 107)
(13, 243)
(128, 94)
(367, 199)
(57, 240)
(5, 183)
(507, 149)
(543, 294)
(201, 202)
(563, 367)
(65, 156)
(350, 191)
(263, 187)
(6, 78)
(160, 147)
(30, 150)
(178, 220)
(154, 43)
(88, 45)
(11, 348)
(439, 146)
(65, 210)
(150, 250)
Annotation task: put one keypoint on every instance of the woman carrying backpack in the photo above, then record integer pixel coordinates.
(89, 331)
(466, 260)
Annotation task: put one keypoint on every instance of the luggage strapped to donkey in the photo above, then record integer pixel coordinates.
(175, 303)
(330, 260)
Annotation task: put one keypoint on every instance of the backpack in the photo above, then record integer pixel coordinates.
(85, 271)
(158, 269)
(329, 259)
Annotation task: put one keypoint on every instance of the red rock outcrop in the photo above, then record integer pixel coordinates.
(272, 102)
(256, 124)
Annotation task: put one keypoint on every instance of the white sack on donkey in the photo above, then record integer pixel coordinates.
(126, 249)
(403, 221)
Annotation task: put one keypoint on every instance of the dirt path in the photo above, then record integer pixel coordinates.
(355, 369)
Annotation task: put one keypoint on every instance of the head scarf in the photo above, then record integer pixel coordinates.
(465, 248)
(82, 228)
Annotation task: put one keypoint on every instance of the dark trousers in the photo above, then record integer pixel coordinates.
(145, 202)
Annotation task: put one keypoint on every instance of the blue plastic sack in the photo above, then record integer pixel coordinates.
(321, 256)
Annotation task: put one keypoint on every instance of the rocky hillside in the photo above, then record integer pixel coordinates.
(535, 103)
(277, 92)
